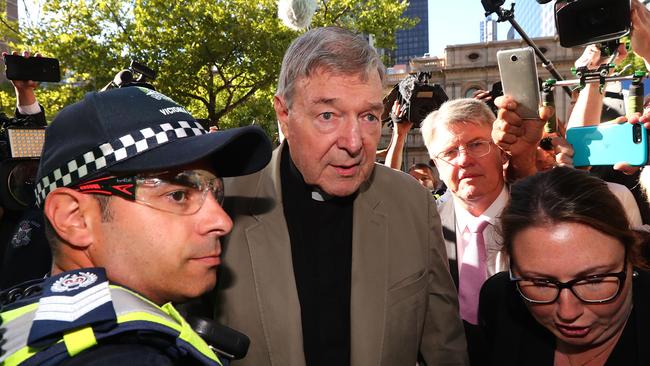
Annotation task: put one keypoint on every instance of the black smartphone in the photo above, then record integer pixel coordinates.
(32, 68)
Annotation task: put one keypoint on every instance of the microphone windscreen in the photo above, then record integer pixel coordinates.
(543, 1)
(296, 14)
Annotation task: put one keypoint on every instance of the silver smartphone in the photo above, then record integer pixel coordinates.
(518, 71)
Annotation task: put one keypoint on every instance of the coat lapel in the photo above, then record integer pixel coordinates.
(369, 277)
(270, 253)
(448, 223)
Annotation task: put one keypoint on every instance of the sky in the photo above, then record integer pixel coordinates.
(457, 22)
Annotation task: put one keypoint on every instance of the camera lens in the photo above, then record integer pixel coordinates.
(513, 58)
(21, 182)
(636, 133)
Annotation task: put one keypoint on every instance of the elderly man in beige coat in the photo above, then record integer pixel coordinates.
(334, 260)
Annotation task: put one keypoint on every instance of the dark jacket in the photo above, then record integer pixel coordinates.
(515, 338)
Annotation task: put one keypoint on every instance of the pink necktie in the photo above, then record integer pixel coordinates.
(472, 272)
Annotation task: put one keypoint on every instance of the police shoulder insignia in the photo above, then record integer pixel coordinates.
(71, 300)
(23, 236)
(74, 281)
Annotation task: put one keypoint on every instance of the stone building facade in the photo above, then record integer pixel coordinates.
(466, 68)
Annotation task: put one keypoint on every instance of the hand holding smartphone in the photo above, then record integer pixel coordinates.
(32, 68)
(518, 71)
(608, 144)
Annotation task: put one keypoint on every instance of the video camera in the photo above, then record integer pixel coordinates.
(416, 97)
(127, 77)
(583, 22)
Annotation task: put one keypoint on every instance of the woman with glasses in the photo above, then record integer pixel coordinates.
(576, 293)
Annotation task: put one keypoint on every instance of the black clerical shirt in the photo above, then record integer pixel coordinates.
(321, 248)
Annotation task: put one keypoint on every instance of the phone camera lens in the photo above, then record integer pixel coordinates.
(513, 58)
(636, 133)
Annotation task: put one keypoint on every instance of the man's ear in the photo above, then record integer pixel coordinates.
(71, 213)
(282, 113)
(504, 157)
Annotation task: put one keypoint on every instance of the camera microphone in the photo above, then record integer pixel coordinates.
(296, 14)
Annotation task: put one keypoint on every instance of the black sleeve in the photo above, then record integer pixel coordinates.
(492, 302)
(37, 119)
(26, 253)
(121, 354)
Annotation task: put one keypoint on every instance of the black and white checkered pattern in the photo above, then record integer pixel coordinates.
(110, 153)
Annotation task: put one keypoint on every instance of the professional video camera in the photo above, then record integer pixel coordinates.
(127, 77)
(416, 97)
(21, 141)
(583, 22)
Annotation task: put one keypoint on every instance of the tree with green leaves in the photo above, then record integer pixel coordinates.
(220, 58)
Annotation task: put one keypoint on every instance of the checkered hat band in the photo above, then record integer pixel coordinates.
(111, 153)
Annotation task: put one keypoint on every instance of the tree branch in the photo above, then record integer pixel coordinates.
(325, 8)
(193, 96)
(339, 15)
(245, 97)
(11, 28)
(118, 22)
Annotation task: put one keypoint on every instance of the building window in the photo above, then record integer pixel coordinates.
(470, 92)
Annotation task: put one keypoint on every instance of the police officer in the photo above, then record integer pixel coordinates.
(130, 185)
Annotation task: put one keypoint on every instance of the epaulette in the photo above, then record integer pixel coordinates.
(70, 300)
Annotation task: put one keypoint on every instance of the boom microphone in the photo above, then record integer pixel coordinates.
(296, 14)
(543, 1)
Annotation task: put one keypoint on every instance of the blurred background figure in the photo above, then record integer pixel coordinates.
(428, 177)
(24, 252)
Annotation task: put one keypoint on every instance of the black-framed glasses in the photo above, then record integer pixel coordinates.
(181, 193)
(475, 149)
(593, 289)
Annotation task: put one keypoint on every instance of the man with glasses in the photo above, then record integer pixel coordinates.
(458, 137)
(130, 185)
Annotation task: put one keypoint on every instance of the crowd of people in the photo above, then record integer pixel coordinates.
(316, 253)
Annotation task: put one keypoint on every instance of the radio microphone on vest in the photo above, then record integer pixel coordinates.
(296, 14)
(224, 340)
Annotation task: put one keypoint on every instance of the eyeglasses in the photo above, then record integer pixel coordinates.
(475, 149)
(598, 288)
(181, 193)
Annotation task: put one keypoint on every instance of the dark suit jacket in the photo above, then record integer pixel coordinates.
(515, 338)
(448, 222)
(402, 298)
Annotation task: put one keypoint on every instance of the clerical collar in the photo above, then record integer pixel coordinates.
(318, 194)
(288, 170)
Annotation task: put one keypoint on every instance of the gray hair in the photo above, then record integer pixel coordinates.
(464, 110)
(334, 49)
